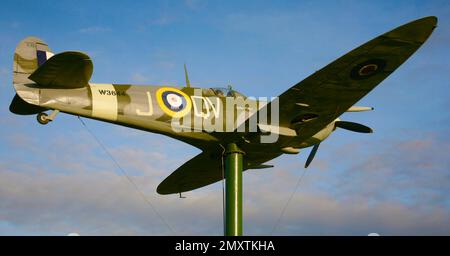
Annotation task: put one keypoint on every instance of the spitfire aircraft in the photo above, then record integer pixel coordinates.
(211, 118)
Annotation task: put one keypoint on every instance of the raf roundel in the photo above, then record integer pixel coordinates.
(367, 69)
(173, 102)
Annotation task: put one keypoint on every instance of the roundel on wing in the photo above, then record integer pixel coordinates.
(173, 102)
(367, 69)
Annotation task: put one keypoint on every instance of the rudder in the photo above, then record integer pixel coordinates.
(30, 53)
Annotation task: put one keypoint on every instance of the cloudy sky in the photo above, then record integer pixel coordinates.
(55, 179)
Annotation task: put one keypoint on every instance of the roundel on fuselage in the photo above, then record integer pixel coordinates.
(173, 102)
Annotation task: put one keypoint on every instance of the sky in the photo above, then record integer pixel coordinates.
(56, 180)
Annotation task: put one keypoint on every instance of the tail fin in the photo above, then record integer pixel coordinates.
(30, 53)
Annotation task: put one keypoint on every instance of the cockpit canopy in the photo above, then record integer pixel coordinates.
(226, 92)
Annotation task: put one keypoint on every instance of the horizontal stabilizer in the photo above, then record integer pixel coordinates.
(20, 107)
(64, 70)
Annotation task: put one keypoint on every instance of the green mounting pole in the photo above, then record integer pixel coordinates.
(233, 190)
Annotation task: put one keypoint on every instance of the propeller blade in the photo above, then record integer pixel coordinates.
(354, 127)
(311, 155)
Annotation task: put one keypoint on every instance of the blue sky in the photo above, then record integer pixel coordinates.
(55, 180)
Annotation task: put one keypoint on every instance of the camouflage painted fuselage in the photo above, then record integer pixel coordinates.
(136, 106)
(308, 111)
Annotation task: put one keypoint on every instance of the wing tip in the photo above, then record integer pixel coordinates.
(415, 31)
(429, 21)
(160, 190)
(433, 19)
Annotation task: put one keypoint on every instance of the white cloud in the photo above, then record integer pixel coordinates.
(72, 186)
(195, 4)
(93, 30)
(163, 20)
(168, 65)
(4, 71)
(139, 78)
(15, 24)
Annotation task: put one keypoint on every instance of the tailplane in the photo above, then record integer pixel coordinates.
(20, 107)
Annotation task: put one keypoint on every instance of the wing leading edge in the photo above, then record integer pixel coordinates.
(332, 90)
(311, 104)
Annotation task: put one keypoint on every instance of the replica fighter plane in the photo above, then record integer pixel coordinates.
(303, 116)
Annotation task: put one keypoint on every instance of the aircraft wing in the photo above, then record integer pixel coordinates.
(311, 104)
(64, 70)
(205, 169)
(202, 170)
